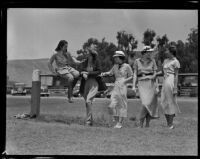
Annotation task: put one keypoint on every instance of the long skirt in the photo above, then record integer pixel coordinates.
(148, 96)
(118, 97)
(90, 90)
(168, 99)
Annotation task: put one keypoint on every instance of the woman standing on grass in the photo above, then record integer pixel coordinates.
(123, 73)
(145, 75)
(91, 82)
(169, 89)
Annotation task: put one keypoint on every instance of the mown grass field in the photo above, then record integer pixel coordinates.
(60, 130)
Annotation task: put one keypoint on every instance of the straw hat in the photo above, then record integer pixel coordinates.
(119, 53)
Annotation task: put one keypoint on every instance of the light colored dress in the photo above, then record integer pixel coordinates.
(168, 100)
(119, 93)
(147, 86)
(91, 88)
(63, 64)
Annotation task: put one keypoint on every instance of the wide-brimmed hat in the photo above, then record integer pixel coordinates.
(119, 53)
(147, 49)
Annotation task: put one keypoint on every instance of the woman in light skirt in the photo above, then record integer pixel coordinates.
(145, 75)
(169, 88)
(123, 73)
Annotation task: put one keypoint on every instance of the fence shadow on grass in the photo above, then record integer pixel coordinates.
(99, 121)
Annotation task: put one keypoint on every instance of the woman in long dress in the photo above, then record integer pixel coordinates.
(145, 75)
(169, 88)
(91, 83)
(123, 73)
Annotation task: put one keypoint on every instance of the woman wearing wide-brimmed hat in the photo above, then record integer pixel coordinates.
(123, 73)
(145, 76)
(169, 88)
(91, 82)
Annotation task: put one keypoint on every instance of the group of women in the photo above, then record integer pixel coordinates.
(143, 75)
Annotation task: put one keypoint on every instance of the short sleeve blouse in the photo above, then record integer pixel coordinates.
(141, 67)
(170, 65)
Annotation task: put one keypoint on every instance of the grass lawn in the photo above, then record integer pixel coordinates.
(60, 130)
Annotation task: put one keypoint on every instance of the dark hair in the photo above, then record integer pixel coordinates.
(143, 52)
(61, 44)
(122, 58)
(172, 50)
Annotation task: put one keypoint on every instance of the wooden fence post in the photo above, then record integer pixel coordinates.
(35, 93)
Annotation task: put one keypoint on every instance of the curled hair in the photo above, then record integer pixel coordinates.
(61, 44)
(173, 51)
(122, 58)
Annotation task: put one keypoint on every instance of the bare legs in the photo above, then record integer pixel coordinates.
(144, 114)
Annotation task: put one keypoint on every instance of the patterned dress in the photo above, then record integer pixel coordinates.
(147, 86)
(168, 100)
(118, 103)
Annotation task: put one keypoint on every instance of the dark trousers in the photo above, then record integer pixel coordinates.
(89, 118)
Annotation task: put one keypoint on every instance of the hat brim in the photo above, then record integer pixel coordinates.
(150, 50)
(118, 55)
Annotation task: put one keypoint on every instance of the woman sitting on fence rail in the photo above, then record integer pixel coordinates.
(63, 60)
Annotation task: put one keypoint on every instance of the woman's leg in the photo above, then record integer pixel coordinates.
(171, 117)
(70, 80)
(148, 118)
(143, 115)
(167, 119)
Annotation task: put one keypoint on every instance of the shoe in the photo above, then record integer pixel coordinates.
(171, 127)
(118, 126)
(70, 101)
(88, 124)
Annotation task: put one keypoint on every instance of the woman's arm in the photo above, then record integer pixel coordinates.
(128, 79)
(134, 79)
(77, 61)
(109, 73)
(175, 80)
(50, 65)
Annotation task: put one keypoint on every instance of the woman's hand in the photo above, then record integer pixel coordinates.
(175, 90)
(134, 89)
(103, 74)
(152, 77)
(85, 76)
(157, 90)
(84, 72)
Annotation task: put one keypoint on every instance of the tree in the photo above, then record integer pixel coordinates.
(126, 42)
(105, 52)
(161, 46)
(191, 51)
(89, 42)
(193, 41)
(149, 37)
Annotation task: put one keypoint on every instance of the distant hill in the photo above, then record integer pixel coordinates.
(21, 70)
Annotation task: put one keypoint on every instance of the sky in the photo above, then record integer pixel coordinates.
(34, 33)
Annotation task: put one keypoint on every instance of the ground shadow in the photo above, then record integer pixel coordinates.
(100, 121)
